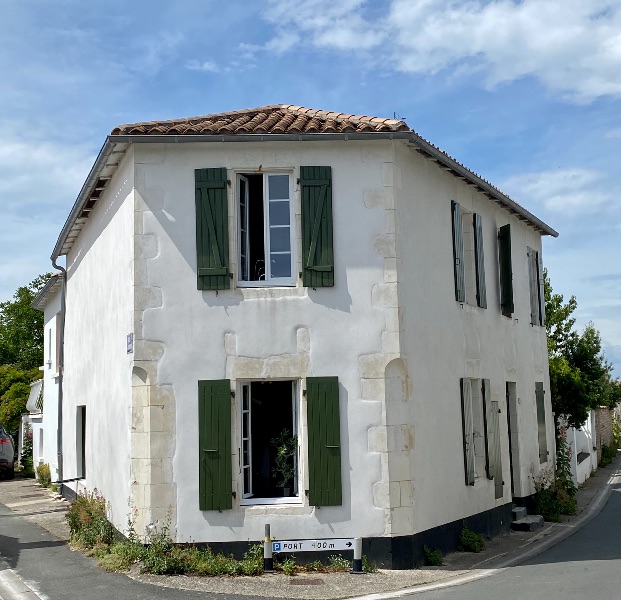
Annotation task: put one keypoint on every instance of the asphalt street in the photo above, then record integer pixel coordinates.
(586, 565)
(48, 566)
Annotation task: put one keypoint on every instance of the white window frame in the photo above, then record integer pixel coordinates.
(245, 500)
(269, 281)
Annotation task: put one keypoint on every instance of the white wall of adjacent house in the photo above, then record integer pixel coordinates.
(97, 372)
(582, 449)
(253, 334)
(443, 340)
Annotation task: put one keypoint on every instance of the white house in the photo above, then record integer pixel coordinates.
(235, 276)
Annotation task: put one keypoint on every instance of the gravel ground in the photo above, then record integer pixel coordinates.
(27, 499)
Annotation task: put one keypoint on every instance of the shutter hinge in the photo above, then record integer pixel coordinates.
(298, 180)
(228, 182)
(232, 393)
(234, 494)
(304, 394)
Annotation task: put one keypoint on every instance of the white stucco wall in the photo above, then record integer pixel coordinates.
(97, 371)
(582, 440)
(443, 340)
(262, 333)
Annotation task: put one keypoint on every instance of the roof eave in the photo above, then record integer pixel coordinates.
(50, 287)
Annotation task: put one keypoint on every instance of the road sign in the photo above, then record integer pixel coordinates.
(312, 545)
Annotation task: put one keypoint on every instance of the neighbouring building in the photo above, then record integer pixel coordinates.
(328, 286)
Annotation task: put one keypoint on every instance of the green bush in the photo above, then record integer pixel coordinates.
(88, 523)
(470, 541)
(608, 455)
(44, 476)
(433, 556)
(26, 455)
(339, 563)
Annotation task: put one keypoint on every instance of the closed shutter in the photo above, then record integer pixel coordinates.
(541, 421)
(506, 272)
(324, 441)
(214, 444)
(458, 253)
(468, 430)
(533, 285)
(212, 230)
(479, 260)
(495, 455)
(485, 395)
(542, 297)
(317, 226)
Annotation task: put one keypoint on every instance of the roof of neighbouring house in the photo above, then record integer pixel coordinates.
(275, 122)
(34, 403)
(272, 119)
(47, 292)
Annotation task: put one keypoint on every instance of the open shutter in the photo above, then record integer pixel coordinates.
(317, 244)
(533, 286)
(468, 429)
(506, 272)
(212, 230)
(495, 455)
(458, 253)
(324, 441)
(541, 421)
(485, 396)
(542, 297)
(214, 439)
(479, 260)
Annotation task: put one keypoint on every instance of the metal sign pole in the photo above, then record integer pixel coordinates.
(356, 567)
(268, 561)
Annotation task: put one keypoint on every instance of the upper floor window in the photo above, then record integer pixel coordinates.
(264, 229)
(468, 258)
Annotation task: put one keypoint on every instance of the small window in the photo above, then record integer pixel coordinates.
(269, 443)
(265, 229)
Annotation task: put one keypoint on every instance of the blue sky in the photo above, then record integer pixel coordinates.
(527, 94)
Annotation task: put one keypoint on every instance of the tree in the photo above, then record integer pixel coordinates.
(21, 327)
(580, 377)
(14, 392)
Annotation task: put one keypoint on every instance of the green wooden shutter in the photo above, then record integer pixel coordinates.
(479, 260)
(212, 230)
(506, 272)
(317, 226)
(533, 286)
(468, 430)
(496, 456)
(214, 444)
(542, 297)
(458, 253)
(541, 421)
(485, 398)
(324, 441)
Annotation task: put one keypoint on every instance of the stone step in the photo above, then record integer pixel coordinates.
(518, 512)
(528, 523)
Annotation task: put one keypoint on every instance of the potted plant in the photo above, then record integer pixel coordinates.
(283, 469)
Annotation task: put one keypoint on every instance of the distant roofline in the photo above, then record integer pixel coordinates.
(47, 291)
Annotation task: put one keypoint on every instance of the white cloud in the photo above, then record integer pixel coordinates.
(572, 47)
(566, 191)
(613, 134)
(207, 66)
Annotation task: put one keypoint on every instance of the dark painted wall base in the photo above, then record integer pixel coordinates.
(527, 501)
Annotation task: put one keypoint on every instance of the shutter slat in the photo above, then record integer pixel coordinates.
(479, 260)
(468, 430)
(541, 421)
(212, 236)
(506, 272)
(214, 445)
(496, 456)
(324, 441)
(458, 253)
(317, 226)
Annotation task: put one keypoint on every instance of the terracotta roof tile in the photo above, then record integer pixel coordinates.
(272, 119)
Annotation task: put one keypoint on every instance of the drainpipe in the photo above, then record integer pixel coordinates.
(61, 365)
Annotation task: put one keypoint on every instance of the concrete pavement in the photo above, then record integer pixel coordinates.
(30, 508)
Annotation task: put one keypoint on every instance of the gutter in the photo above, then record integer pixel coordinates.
(415, 141)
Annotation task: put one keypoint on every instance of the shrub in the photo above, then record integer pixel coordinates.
(470, 541)
(88, 524)
(433, 556)
(616, 432)
(26, 455)
(44, 476)
(608, 455)
(339, 563)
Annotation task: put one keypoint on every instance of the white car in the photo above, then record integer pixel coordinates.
(7, 454)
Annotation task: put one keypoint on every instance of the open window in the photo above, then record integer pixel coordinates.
(269, 444)
(265, 231)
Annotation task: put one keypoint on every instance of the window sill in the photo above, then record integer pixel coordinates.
(272, 292)
(259, 502)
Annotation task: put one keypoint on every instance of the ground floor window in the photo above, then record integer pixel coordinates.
(269, 442)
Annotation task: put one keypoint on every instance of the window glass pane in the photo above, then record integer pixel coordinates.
(280, 265)
(279, 213)
(247, 489)
(279, 239)
(278, 187)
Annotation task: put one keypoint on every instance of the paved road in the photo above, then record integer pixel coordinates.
(586, 565)
(54, 571)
